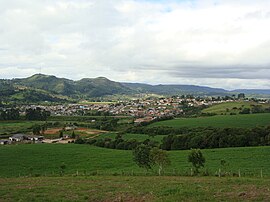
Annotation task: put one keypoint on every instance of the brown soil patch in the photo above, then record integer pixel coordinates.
(247, 193)
(52, 131)
(91, 131)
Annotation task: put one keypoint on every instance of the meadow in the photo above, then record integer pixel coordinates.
(232, 107)
(8, 127)
(219, 121)
(46, 159)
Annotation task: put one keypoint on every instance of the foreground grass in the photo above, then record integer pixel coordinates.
(45, 159)
(119, 188)
(223, 121)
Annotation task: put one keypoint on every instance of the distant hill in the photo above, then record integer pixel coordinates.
(175, 89)
(40, 87)
(254, 91)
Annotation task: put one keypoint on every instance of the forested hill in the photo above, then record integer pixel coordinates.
(40, 87)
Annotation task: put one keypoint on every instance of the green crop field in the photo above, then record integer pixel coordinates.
(45, 159)
(232, 107)
(219, 121)
(130, 188)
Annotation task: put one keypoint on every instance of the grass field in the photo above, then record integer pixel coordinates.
(230, 107)
(219, 121)
(45, 159)
(8, 127)
(130, 188)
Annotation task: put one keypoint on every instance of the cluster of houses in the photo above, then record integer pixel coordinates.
(22, 138)
(139, 108)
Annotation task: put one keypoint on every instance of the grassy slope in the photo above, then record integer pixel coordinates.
(118, 188)
(244, 120)
(46, 158)
(7, 127)
(221, 108)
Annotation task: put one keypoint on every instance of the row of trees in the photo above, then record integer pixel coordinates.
(37, 114)
(117, 143)
(218, 138)
(9, 114)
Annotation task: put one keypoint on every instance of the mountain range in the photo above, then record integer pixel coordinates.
(40, 87)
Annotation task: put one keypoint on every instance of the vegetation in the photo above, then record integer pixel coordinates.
(244, 120)
(234, 107)
(129, 188)
(45, 159)
(197, 159)
(218, 138)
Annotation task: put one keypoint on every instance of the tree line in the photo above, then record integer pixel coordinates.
(36, 114)
(218, 138)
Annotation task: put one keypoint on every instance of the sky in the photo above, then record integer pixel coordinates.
(217, 43)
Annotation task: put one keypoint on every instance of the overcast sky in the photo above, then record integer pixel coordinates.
(218, 43)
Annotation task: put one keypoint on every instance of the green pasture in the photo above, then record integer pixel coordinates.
(46, 159)
(9, 127)
(219, 121)
(232, 107)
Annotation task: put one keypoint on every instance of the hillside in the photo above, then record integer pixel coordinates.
(40, 87)
(176, 89)
(219, 121)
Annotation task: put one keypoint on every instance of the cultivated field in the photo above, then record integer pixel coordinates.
(219, 121)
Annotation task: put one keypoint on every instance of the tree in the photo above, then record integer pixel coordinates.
(160, 158)
(197, 159)
(141, 156)
(73, 135)
(36, 129)
(61, 134)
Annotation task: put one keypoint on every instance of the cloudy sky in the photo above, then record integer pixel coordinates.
(218, 43)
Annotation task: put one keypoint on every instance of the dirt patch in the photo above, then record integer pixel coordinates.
(91, 131)
(52, 131)
(249, 193)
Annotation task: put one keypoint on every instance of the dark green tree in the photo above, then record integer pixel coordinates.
(36, 129)
(197, 159)
(141, 156)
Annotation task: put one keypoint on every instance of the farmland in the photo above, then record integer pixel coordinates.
(98, 174)
(45, 159)
(130, 188)
(219, 121)
(232, 107)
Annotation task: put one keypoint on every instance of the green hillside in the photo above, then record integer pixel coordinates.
(46, 158)
(232, 107)
(243, 120)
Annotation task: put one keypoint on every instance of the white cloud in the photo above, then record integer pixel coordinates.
(218, 43)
